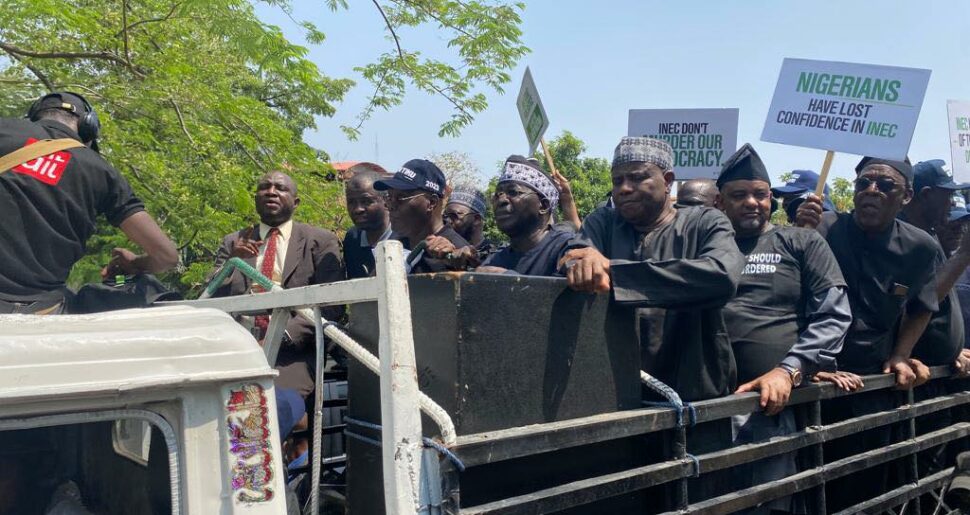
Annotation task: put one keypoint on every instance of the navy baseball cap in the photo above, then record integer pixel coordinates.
(416, 174)
(800, 182)
(933, 174)
(957, 214)
(958, 208)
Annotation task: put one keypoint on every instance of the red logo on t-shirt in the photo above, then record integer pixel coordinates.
(47, 169)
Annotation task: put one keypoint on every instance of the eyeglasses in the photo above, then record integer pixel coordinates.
(511, 194)
(393, 201)
(884, 185)
(454, 217)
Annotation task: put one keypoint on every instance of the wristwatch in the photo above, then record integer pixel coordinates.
(793, 373)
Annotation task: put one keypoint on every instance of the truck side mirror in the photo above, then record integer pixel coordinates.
(132, 438)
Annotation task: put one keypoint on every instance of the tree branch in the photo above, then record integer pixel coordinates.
(13, 50)
(370, 106)
(178, 112)
(267, 100)
(190, 240)
(400, 53)
(91, 93)
(37, 73)
(18, 81)
(124, 29)
(263, 149)
(151, 20)
(387, 22)
(433, 16)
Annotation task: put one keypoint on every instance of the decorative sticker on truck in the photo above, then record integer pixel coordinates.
(251, 457)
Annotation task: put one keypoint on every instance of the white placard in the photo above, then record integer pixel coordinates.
(533, 115)
(958, 116)
(860, 109)
(702, 139)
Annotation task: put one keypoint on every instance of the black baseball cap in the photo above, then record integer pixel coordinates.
(60, 100)
(416, 174)
(932, 174)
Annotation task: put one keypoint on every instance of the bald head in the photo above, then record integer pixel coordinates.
(697, 192)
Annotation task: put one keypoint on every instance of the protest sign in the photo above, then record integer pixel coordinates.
(701, 138)
(533, 115)
(958, 114)
(856, 108)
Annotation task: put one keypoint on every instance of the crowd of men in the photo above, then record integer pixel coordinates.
(726, 301)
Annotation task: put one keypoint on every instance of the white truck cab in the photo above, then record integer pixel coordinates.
(158, 411)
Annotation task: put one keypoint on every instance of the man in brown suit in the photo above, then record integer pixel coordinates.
(292, 255)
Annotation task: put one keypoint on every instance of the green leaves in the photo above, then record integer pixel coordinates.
(589, 177)
(486, 41)
(843, 194)
(205, 100)
(198, 98)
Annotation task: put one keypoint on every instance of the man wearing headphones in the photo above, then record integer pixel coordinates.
(49, 206)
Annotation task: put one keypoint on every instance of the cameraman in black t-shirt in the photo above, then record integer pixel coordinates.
(49, 207)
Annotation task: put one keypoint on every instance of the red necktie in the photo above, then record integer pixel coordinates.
(269, 263)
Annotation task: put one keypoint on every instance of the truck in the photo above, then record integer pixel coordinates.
(536, 404)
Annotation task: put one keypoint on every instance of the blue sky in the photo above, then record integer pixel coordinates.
(593, 61)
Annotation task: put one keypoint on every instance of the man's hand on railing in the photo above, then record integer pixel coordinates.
(923, 373)
(846, 381)
(905, 374)
(963, 363)
(586, 270)
(775, 388)
(456, 259)
(439, 247)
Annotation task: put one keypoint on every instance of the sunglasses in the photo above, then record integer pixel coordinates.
(884, 185)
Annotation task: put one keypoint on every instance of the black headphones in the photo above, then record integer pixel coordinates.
(88, 127)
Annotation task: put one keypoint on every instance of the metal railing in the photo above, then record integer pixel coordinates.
(406, 472)
(508, 444)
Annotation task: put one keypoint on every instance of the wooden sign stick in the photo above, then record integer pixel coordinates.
(824, 174)
(545, 150)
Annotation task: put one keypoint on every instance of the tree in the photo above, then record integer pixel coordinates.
(487, 40)
(198, 98)
(458, 168)
(589, 177)
(843, 194)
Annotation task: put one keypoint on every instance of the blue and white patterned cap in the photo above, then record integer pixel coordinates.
(644, 150)
(533, 178)
(470, 197)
